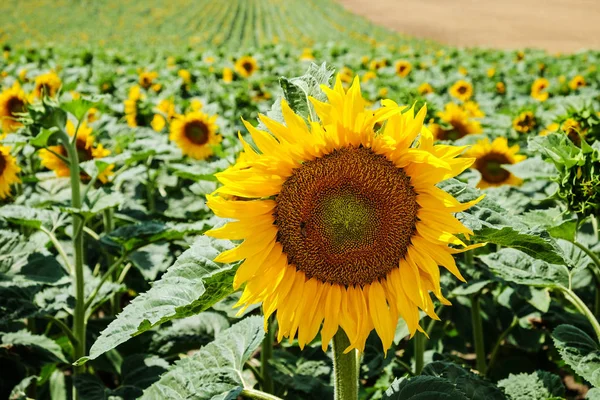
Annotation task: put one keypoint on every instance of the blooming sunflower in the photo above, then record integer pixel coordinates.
(524, 122)
(460, 121)
(538, 89)
(85, 149)
(146, 79)
(572, 128)
(307, 54)
(425, 88)
(8, 171)
(12, 102)
(577, 82)
(500, 88)
(342, 227)
(227, 75)
(131, 106)
(195, 134)
(46, 85)
(461, 90)
(489, 160)
(246, 66)
(185, 75)
(166, 112)
(403, 68)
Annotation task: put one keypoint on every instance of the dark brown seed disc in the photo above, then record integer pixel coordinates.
(490, 167)
(2, 163)
(346, 217)
(196, 132)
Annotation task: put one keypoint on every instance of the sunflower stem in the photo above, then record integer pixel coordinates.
(419, 342)
(109, 226)
(258, 395)
(582, 308)
(345, 368)
(265, 355)
(477, 323)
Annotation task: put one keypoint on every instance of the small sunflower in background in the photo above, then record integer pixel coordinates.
(185, 76)
(369, 75)
(425, 89)
(46, 85)
(346, 75)
(86, 149)
(376, 65)
(246, 66)
(343, 228)
(500, 88)
(307, 54)
(538, 89)
(195, 134)
(146, 79)
(8, 171)
(572, 128)
(524, 122)
(227, 75)
(12, 102)
(489, 160)
(459, 120)
(131, 106)
(491, 72)
(577, 82)
(553, 127)
(165, 112)
(461, 90)
(403, 68)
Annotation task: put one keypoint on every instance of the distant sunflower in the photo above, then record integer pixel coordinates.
(132, 106)
(195, 134)
(165, 112)
(307, 54)
(8, 171)
(47, 85)
(227, 75)
(489, 160)
(553, 127)
(461, 90)
(403, 68)
(12, 102)
(577, 82)
(342, 227)
(425, 88)
(524, 122)
(246, 66)
(460, 121)
(146, 79)
(572, 128)
(538, 89)
(500, 88)
(85, 149)
(368, 76)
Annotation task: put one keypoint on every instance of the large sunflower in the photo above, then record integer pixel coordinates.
(246, 66)
(47, 85)
(85, 149)
(342, 227)
(12, 102)
(195, 134)
(489, 160)
(8, 171)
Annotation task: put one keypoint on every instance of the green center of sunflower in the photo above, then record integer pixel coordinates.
(347, 217)
(490, 167)
(14, 105)
(196, 132)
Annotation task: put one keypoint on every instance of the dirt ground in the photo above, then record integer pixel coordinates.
(555, 25)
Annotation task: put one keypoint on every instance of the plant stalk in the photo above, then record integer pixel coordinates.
(345, 368)
(477, 323)
(265, 355)
(419, 343)
(258, 395)
(582, 308)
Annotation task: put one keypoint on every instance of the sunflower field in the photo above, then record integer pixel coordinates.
(271, 199)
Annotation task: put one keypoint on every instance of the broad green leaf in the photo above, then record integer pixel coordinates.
(42, 139)
(96, 202)
(192, 285)
(554, 220)
(17, 301)
(79, 107)
(297, 91)
(423, 388)
(539, 385)
(215, 371)
(29, 216)
(141, 370)
(593, 394)
(532, 168)
(200, 172)
(153, 259)
(34, 349)
(557, 148)
(58, 388)
(472, 386)
(579, 351)
(16, 248)
(470, 288)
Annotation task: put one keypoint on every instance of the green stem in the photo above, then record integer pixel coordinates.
(63, 327)
(104, 278)
(498, 344)
(478, 333)
(59, 249)
(345, 368)
(419, 343)
(265, 355)
(109, 226)
(150, 189)
(258, 395)
(595, 272)
(582, 308)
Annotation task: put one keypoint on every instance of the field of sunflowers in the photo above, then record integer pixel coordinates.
(250, 211)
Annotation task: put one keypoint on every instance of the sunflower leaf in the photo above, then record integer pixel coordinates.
(35, 350)
(580, 351)
(423, 388)
(473, 386)
(191, 285)
(539, 385)
(297, 91)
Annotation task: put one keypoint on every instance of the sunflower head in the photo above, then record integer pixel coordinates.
(572, 128)
(307, 54)
(132, 114)
(12, 102)
(368, 76)
(47, 85)
(146, 79)
(425, 88)
(538, 89)
(489, 160)
(461, 90)
(8, 171)
(403, 68)
(195, 134)
(185, 76)
(342, 228)
(246, 66)
(500, 88)
(524, 122)
(227, 75)
(577, 82)
(459, 120)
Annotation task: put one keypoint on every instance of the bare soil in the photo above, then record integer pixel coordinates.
(554, 25)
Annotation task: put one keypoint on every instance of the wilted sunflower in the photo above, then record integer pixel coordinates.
(461, 90)
(524, 122)
(146, 78)
(246, 66)
(12, 102)
(341, 227)
(538, 89)
(47, 85)
(8, 171)
(577, 82)
(85, 149)
(490, 158)
(460, 121)
(195, 134)
(403, 68)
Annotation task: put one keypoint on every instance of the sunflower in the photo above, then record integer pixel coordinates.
(12, 102)
(491, 72)
(524, 122)
(403, 68)
(227, 75)
(460, 121)
(85, 149)
(131, 106)
(577, 82)
(500, 88)
(185, 76)
(8, 171)
(146, 79)
(195, 134)
(461, 90)
(307, 54)
(246, 66)
(572, 128)
(538, 89)
(489, 160)
(368, 76)
(46, 85)
(165, 112)
(342, 228)
(425, 88)
(553, 127)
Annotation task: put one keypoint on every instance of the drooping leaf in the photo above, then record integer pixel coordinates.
(28, 216)
(423, 387)
(58, 388)
(579, 351)
(31, 349)
(79, 107)
(539, 385)
(472, 386)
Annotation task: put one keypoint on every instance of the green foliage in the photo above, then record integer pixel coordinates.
(539, 385)
(579, 351)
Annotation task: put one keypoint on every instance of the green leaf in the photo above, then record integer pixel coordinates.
(554, 221)
(472, 386)
(470, 288)
(19, 392)
(579, 351)
(297, 91)
(79, 107)
(33, 349)
(593, 394)
(29, 216)
(532, 168)
(423, 388)
(200, 172)
(557, 148)
(192, 285)
(15, 249)
(58, 388)
(42, 139)
(516, 266)
(153, 259)
(96, 202)
(142, 370)
(539, 385)
(216, 369)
